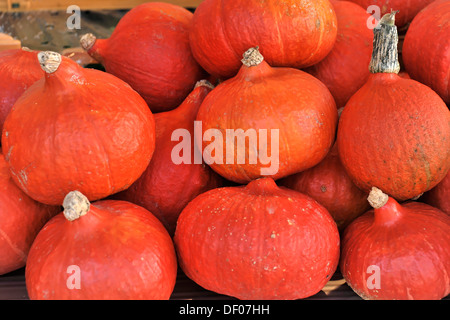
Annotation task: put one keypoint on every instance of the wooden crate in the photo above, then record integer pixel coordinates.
(32, 5)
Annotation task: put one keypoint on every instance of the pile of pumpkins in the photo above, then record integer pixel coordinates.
(338, 159)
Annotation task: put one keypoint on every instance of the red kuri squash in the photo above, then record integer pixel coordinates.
(21, 218)
(408, 9)
(257, 242)
(175, 175)
(439, 196)
(149, 49)
(329, 184)
(266, 121)
(292, 33)
(106, 250)
(19, 69)
(397, 251)
(426, 49)
(344, 70)
(77, 128)
(394, 133)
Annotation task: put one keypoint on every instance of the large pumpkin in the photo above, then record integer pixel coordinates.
(266, 121)
(149, 49)
(397, 252)
(293, 33)
(408, 9)
(257, 242)
(79, 129)
(329, 184)
(106, 250)
(175, 174)
(426, 52)
(21, 218)
(394, 133)
(19, 69)
(344, 70)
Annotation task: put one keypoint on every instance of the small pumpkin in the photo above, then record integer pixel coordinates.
(408, 9)
(344, 70)
(425, 51)
(21, 218)
(329, 184)
(175, 174)
(258, 241)
(439, 196)
(19, 69)
(77, 128)
(397, 251)
(149, 49)
(107, 250)
(394, 133)
(222, 31)
(266, 121)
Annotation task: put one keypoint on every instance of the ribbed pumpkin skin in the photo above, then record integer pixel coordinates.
(79, 129)
(426, 52)
(265, 98)
(257, 242)
(329, 184)
(122, 251)
(410, 248)
(149, 49)
(439, 196)
(19, 69)
(222, 31)
(344, 70)
(21, 219)
(408, 9)
(394, 134)
(166, 187)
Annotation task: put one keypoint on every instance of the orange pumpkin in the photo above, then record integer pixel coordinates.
(394, 133)
(108, 250)
(149, 49)
(291, 33)
(77, 128)
(266, 121)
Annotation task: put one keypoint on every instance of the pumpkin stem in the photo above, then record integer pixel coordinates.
(75, 205)
(87, 41)
(385, 42)
(204, 83)
(377, 198)
(49, 61)
(252, 57)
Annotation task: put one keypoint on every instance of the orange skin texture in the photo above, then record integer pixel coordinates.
(222, 31)
(165, 188)
(149, 49)
(408, 242)
(408, 9)
(19, 69)
(439, 196)
(21, 219)
(262, 97)
(122, 251)
(329, 184)
(394, 134)
(78, 129)
(345, 69)
(257, 242)
(426, 49)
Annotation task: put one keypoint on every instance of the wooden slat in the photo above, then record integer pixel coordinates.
(32, 5)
